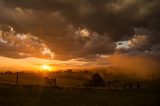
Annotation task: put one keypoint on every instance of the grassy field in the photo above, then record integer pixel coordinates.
(47, 96)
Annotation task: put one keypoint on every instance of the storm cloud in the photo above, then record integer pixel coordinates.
(85, 28)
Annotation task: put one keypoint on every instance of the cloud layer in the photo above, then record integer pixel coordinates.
(85, 28)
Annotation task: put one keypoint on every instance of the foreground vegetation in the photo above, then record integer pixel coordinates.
(54, 96)
(83, 88)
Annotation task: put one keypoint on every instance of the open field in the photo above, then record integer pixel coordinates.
(48, 96)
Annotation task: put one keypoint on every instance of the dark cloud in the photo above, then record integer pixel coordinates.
(145, 41)
(107, 21)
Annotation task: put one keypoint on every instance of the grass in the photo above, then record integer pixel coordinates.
(47, 96)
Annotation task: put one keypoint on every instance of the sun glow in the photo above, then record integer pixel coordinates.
(46, 67)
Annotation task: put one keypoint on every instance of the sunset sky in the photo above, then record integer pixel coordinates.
(77, 34)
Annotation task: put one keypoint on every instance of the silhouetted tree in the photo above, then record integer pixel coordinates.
(96, 81)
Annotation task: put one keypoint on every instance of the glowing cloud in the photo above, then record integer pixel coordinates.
(21, 45)
(83, 32)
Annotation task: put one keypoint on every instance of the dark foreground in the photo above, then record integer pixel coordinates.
(47, 96)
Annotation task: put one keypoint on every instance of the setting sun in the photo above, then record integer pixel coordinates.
(46, 67)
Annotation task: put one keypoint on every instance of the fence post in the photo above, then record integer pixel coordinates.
(55, 82)
(17, 79)
(109, 85)
(130, 85)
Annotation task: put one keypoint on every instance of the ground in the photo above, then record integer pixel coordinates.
(47, 96)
